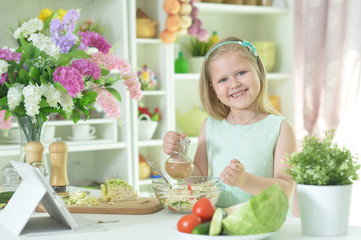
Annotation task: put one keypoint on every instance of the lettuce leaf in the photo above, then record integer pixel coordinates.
(264, 213)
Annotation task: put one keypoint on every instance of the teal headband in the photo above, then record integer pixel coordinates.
(245, 44)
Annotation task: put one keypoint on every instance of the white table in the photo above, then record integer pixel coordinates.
(159, 226)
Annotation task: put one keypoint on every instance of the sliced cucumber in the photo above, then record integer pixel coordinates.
(216, 222)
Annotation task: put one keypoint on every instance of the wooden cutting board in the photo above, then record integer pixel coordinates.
(135, 207)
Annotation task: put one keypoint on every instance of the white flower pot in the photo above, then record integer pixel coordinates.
(195, 64)
(146, 127)
(324, 210)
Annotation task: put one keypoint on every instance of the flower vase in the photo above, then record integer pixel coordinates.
(31, 129)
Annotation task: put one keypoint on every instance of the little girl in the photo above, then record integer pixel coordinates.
(244, 139)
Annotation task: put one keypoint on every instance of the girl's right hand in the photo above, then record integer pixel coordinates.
(171, 141)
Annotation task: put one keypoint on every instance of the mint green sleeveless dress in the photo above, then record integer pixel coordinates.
(253, 145)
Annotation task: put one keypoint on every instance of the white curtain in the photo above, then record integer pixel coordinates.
(327, 62)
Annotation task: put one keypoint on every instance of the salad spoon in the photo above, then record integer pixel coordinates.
(152, 165)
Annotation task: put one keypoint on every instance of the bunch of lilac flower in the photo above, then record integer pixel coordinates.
(57, 75)
(62, 31)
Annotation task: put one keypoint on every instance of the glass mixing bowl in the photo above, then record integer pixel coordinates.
(182, 195)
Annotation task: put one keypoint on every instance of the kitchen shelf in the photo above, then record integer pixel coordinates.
(148, 41)
(154, 93)
(74, 146)
(235, 9)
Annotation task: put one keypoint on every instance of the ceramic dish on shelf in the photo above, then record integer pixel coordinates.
(72, 138)
(224, 237)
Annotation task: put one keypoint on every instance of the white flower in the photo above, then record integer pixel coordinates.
(67, 103)
(44, 44)
(14, 95)
(51, 94)
(28, 28)
(3, 66)
(32, 96)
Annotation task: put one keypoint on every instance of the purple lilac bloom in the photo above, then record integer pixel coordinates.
(86, 68)
(93, 39)
(62, 34)
(4, 77)
(70, 78)
(8, 55)
(69, 20)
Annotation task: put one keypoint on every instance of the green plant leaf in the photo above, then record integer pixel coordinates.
(75, 116)
(4, 103)
(323, 162)
(8, 114)
(104, 72)
(115, 93)
(59, 87)
(23, 76)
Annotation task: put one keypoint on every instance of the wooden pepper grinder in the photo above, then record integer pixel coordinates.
(34, 155)
(58, 158)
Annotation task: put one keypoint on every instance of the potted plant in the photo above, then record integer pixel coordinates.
(324, 173)
(198, 50)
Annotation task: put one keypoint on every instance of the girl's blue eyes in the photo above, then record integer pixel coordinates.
(238, 74)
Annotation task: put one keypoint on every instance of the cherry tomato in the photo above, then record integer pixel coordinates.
(204, 208)
(188, 222)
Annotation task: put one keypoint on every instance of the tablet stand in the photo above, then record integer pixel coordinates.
(34, 190)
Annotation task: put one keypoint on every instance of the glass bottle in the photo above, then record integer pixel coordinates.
(179, 166)
(181, 64)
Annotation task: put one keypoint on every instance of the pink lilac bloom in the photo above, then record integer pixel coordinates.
(110, 104)
(70, 78)
(5, 124)
(62, 32)
(133, 85)
(8, 55)
(93, 39)
(110, 61)
(86, 68)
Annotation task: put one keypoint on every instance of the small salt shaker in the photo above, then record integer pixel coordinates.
(58, 159)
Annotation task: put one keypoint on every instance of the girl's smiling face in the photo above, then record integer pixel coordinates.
(235, 81)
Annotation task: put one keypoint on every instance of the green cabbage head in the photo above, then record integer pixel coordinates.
(264, 213)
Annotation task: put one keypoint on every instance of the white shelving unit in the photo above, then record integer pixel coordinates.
(110, 153)
(115, 152)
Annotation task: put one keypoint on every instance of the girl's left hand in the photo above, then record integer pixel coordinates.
(234, 174)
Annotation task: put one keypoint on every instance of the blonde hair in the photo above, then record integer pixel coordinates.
(213, 106)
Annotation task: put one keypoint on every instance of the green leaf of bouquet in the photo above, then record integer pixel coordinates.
(43, 103)
(85, 111)
(59, 87)
(115, 93)
(8, 114)
(26, 48)
(79, 54)
(92, 96)
(50, 70)
(43, 116)
(84, 101)
(104, 72)
(64, 59)
(43, 80)
(49, 110)
(75, 116)
(34, 72)
(74, 47)
(4, 103)
(23, 76)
